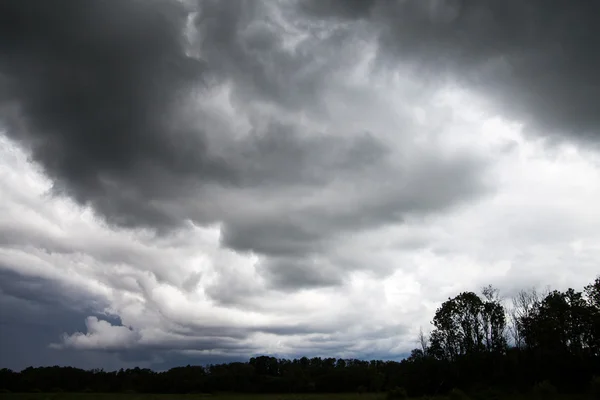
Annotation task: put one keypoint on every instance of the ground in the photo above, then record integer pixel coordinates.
(135, 396)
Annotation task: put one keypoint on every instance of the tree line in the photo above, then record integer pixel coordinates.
(478, 343)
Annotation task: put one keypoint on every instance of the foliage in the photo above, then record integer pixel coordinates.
(466, 324)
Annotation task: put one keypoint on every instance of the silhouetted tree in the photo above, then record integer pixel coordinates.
(555, 345)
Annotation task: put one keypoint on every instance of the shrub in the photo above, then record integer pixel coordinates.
(544, 390)
(457, 394)
(397, 393)
(361, 389)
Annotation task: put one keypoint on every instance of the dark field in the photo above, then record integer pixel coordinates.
(337, 396)
(133, 396)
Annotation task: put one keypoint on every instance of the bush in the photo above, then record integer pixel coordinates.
(595, 387)
(457, 394)
(397, 393)
(361, 389)
(544, 390)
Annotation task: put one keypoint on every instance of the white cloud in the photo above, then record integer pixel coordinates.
(101, 335)
(359, 261)
(537, 227)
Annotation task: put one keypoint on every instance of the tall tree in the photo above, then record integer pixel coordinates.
(592, 294)
(493, 321)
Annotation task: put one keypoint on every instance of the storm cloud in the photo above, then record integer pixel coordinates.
(111, 101)
(534, 60)
(212, 179)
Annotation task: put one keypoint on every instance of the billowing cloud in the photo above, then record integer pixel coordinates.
(124, 108)
(100, 335)
(208, 180)
(535, 61)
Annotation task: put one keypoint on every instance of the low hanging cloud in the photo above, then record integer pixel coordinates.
(101, 335)
(207, 180)
(149, 299)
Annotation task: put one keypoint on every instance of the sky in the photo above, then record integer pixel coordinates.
(191, 182)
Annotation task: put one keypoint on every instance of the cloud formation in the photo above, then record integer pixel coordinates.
(534, 60)
(209, 180)
(116, 103)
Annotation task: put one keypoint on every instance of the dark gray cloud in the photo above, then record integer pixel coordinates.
(269, 126)
(536, 60)
(33, 292)
(280, 155)
(244, 43)
(30, 325)
(112, 100)
(287, 273)
(35, 312)
(96, 93)
(91, 88)
(375, 198)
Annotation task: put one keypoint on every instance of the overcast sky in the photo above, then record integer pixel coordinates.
(203, 181)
